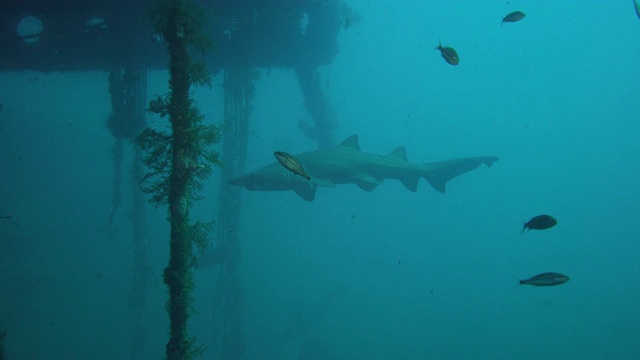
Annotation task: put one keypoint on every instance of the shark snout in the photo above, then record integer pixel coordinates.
(252, 182)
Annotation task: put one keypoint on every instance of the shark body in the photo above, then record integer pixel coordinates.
(346, 164)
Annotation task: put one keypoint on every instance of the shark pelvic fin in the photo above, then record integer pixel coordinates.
(351, 142)
(368, 182)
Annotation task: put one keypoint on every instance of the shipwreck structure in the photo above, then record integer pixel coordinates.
(126, 39)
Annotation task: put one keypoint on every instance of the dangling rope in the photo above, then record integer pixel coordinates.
(319, 107)
(238, 95)
(128, 101)
(3, 334)
(125, 123)
(141, 265)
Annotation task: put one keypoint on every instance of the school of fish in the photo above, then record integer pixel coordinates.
(450, 55)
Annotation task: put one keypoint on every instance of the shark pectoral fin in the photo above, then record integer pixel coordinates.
(438, 173)
(306, 192)
(321, 182)
(368, 182)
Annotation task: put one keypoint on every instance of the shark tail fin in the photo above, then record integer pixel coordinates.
(439, 173)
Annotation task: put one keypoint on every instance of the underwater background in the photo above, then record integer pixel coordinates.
(387, 274)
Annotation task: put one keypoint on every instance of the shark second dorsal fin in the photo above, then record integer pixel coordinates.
(351, 142)
(399, 153)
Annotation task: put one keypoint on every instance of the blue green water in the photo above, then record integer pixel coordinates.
(387, 274)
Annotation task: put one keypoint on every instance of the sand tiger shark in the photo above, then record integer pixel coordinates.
(346, 164)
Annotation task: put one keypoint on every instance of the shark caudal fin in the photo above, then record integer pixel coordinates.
(438, 173)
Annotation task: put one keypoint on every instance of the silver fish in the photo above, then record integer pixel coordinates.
(546, 279)
(291, 163)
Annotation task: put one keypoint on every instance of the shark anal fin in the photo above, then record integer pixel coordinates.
(410, 183)
(489, 160)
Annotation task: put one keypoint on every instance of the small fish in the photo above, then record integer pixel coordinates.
(513, 17)
(449, 54)
(636, 4)
(546, 279)
(540, 222)
(7, 216)
(291, 163)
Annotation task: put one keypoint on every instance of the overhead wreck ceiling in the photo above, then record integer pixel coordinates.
(83, 35)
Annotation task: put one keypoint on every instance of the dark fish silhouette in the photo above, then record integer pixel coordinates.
(637, 6)
(513, 17)
(7, 216)
(546, 279)
(540, 222)
(449, 54)
(291, 163)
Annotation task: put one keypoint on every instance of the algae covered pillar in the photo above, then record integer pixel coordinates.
(177, 275)
(179, 161)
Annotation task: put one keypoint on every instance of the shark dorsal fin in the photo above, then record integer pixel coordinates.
(351, 142)
(399, 153)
